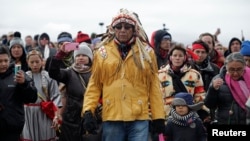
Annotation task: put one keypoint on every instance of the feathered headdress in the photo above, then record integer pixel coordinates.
(141, 38)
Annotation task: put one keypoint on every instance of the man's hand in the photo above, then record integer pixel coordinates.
(89, 123)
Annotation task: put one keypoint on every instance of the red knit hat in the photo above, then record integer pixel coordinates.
(83, 37)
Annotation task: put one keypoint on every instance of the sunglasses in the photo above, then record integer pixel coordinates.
(126, 26)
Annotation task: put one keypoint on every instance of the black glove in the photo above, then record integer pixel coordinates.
(158, 126)
(89, 123)
(98, 114)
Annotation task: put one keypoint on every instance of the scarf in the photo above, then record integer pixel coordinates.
(68, 59)
(124, 48)
(186, 120)
(163, 53)
(46, 51)
(80, 68)
(240, 89)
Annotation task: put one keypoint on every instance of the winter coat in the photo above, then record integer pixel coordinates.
(207, 70)
(228, 111)
(70, 128)
(195, 132)
(191, 80)
(13, 96)
(126, 89)
(156, 43)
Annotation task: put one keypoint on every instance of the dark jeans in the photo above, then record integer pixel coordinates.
(125, 131)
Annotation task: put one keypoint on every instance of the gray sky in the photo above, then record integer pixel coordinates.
(186, 19)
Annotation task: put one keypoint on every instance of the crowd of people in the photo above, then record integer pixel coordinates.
(121, 85)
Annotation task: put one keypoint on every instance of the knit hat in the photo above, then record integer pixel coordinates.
(183, 98)
(245, 48)
(96, 40)
(17, 34)
(83, 37)
(168, 37)
(44, 35)
(11, 33)
(64, 37)
(16, 40)
(84, 49)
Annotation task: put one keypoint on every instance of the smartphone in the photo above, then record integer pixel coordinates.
(71, 46)
(17, 68)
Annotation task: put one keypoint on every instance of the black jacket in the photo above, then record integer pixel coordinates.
(207, 70)
(74, 98)
(223, 101)
(175, 132)
(13, 96)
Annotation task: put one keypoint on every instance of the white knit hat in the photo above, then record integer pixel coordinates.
(16, 40)
(84, 48)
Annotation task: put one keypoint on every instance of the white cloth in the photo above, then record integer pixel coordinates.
(46, 52)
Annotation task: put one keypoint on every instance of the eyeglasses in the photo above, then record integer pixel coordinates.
(237, 70)
(126, 26)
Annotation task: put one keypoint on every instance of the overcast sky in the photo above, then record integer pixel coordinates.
(186, 19)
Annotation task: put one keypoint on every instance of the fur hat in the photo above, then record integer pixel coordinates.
(64, 37)
(84, 49)
(83, 37)
(184, 98)
(16, 40)
(245, 48)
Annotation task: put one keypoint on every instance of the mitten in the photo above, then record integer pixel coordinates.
(158, 126)
(89, 123)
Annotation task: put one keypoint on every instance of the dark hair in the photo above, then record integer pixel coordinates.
(4, 50)
(205, 45)
(208, 34)
(231, 41)
(36, 37)
(180, 47)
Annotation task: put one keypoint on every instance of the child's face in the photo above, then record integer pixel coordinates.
(181, 110)
(35, 63)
